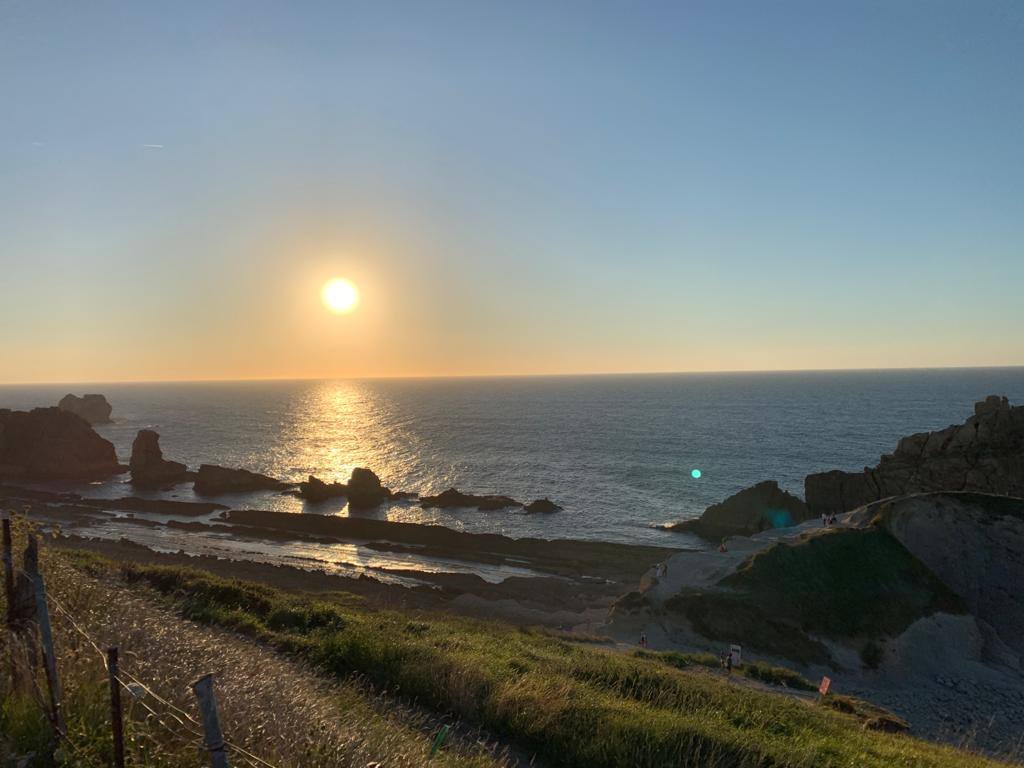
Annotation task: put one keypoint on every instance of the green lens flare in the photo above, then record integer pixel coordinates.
(695, 474)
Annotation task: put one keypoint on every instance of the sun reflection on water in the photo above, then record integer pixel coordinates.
(336, 426)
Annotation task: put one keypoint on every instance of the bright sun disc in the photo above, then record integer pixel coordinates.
(339, 295)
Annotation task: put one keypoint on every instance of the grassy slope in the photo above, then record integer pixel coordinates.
(574, 705)
(859, 584)
(278, 709)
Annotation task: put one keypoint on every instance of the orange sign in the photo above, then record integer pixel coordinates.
(825, 683)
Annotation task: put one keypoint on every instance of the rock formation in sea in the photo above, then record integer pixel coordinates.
(363, 490)
(542, 506)
(454, 498)
(148, 466)
(212, 480)
(316, 489)
(93, 408)
(52, 444)
(985, 453)
(753, 509)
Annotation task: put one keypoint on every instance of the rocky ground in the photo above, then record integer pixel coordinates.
(954, 678)
(560, 583)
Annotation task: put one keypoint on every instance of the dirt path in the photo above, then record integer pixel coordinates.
(275, 707)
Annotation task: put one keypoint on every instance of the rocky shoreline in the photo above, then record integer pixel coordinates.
(570, 581)
(900, 582)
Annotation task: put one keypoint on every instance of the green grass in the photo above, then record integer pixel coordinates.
(573, 704)
(755, 670)
(345, 725)
(844, 583)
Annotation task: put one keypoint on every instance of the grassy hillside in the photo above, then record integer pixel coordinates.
(277, 708)
(571, 704)
(845, 583)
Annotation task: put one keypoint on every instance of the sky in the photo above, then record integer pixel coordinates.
(515, 188)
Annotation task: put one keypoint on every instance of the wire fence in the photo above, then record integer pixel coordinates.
(178, 723)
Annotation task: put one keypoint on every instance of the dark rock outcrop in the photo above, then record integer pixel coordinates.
(148, 466)
(753, 509)
(51, 444)
(212, 480)
(93, 408)
(316, 489)
(543, 506)
(365, 489)
(454, 498)
(984, 454)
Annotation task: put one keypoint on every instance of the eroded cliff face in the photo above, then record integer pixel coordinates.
(52, 444)
(974, 544)
(984, 454)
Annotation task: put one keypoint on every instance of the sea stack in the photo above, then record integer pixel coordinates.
(365, 489)
(93, 408)
(148, 466)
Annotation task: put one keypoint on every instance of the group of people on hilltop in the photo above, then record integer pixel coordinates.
(828, 520)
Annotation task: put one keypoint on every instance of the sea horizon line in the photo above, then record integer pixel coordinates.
(497, 376)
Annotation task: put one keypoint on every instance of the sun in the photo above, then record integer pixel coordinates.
(340, 296)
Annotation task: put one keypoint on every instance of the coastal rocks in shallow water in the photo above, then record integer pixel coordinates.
(212, 480)
(365, 489)
(93, 408)
(148, 466)
(454, 498)
(316, 489)
(985, 453)
(750, 511)
(51, 444)
(543, 506)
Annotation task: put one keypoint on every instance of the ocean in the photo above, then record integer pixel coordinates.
(616, 451)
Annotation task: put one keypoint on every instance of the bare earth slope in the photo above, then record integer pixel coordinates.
(939, 574)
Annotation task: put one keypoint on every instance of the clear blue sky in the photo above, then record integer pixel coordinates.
(515, 188)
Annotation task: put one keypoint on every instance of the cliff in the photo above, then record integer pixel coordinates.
(52, 444)
(985, 454)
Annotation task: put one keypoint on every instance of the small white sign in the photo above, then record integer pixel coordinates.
(736, 652)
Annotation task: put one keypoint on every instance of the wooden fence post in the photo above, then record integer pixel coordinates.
(45, 634)
(116, 723)
(203, 689)
(8, 571)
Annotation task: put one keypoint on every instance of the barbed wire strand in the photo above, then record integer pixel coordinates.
(253, 759)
